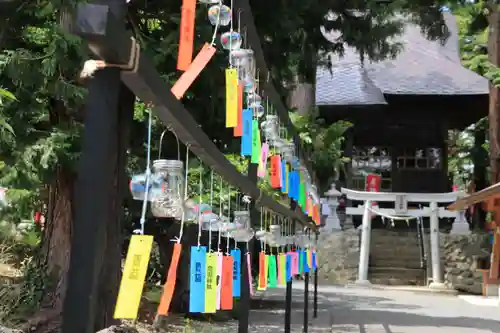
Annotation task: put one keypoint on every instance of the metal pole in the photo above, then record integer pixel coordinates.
(288, 299)
(306, 302)
(93, 195)
(244, 310)
(364, 251)
(315, 312)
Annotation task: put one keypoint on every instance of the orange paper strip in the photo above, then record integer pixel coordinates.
(238, 130)
(226, 297)
(186, 40)
(168, 288)
(187, 78)
(262, 272)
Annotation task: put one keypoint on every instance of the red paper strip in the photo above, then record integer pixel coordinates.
(226, 296)
(275, 172)
(187, 78)
(186, 39)
(238, 130)
(168, 288)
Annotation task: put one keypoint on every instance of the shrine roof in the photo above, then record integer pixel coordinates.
(423, 67)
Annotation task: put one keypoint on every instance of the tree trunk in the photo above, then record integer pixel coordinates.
(56, 242)
(55, 254)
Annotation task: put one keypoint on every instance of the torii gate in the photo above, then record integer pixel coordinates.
(460, 225)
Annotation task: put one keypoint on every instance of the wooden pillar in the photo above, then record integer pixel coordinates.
(491, 283)
(494, 105)
(93, 195)
(479, 159)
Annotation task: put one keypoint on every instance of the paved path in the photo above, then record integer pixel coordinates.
(361, 310)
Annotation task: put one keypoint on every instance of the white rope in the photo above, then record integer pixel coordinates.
(148, 174)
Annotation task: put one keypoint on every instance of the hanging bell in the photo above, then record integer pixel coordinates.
(219, 14)
(241, 58)
(270, 127)
(138, 187)
(254, 100)
(231, 40)
(249, 84)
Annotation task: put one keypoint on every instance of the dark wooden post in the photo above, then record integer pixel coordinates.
(315, 304)
(94, 195)
(244, 311)
(305, 328)
(289, 285)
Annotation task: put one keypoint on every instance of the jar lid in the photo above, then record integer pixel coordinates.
(168, 164)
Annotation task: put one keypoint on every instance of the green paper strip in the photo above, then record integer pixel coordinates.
(302, 195)
(272, 272)
(301, 262)
(255, 142)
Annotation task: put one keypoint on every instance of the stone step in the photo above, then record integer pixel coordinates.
(394, 253)
(395, 263)
(396, 276)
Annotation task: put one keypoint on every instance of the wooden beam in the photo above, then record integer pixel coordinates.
(102, 31)
(483, 195)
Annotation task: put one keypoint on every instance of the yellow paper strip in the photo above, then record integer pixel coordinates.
(211, 284)
(134, 273)
(231, 97)
(282, 259)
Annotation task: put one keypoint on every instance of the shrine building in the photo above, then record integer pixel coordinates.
(402, 110)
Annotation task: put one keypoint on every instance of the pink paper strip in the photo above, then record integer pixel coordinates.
(295, 263)
(249, 268)
(279, 268)
(261, 171)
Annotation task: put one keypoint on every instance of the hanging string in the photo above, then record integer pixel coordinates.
(178, 239)
(231, 37)
(212, 207)
(221, 213)
(142, 221)
(217, 23)
(200, 201)
(229, 218)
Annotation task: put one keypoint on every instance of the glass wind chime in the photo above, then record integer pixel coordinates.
(284, 253)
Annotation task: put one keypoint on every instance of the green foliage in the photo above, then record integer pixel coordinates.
(324, 142)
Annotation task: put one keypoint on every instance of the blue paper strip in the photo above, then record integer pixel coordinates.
(197, 279)
(236, 254)
(314, 261)
(295, 185)
(283, 176)
(307, 269)
(288, 267)
(291, 185)
(246, 137)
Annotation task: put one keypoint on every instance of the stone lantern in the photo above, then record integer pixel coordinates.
(332, 222)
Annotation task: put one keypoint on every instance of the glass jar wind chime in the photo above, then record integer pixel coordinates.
(168, 183)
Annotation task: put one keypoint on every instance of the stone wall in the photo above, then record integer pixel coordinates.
(338, 257)
(458, 253)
